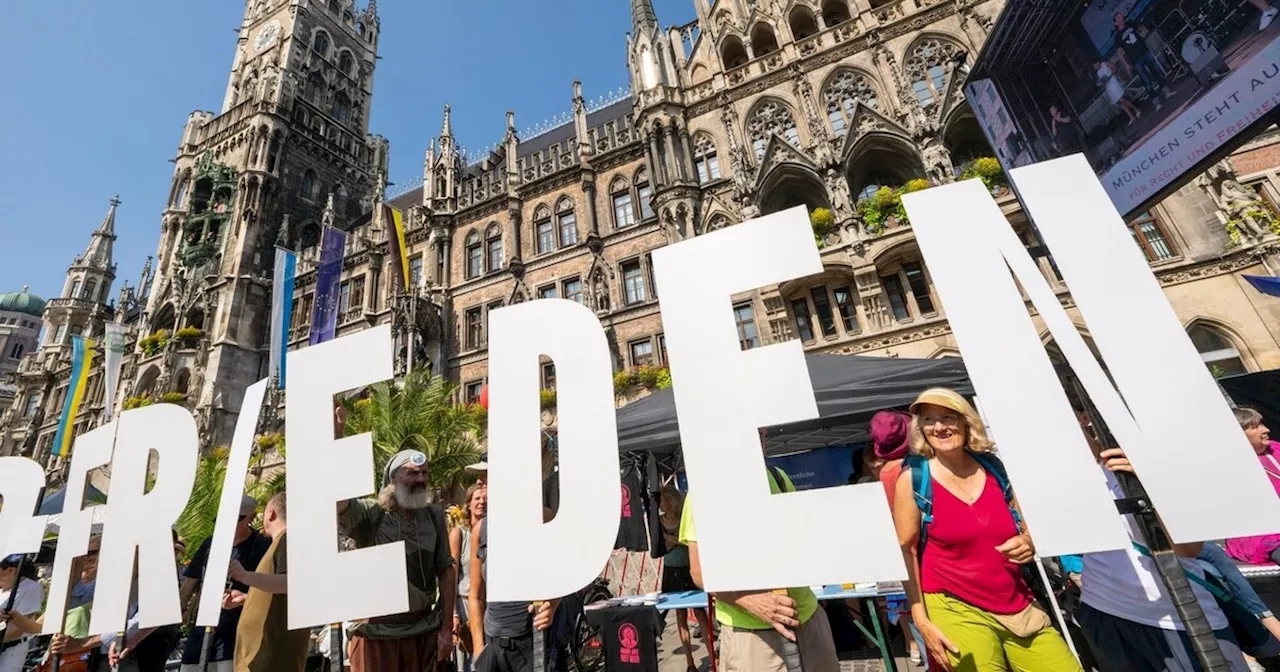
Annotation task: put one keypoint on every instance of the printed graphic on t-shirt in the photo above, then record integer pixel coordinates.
(626, 501)
(629, 645)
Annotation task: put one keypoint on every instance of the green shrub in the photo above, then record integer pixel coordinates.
(547, 398)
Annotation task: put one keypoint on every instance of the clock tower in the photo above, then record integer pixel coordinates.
(292, 132)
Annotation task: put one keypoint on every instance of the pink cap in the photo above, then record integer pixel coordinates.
(890, 434)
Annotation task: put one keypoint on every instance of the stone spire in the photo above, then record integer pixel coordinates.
(99, 253)
(643, 19)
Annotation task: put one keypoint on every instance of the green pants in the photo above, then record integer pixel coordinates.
(987, 646)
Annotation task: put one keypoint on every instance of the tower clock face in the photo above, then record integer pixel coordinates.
(266, 37)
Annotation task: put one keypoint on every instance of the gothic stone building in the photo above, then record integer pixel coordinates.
(754, 107)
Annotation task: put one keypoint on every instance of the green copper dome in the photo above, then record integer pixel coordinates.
(22, 302)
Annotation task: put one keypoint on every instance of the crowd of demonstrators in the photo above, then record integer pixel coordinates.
(249, 547)
(20, 624)
(1265, 548)
(420, 638)
(676, 576)
(890, 441)
(756, 623)
(264, 642)
(964, 545)
(502, 632)
(461, 545)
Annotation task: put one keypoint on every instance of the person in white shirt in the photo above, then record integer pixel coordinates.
(26, 607)
(1126, 614)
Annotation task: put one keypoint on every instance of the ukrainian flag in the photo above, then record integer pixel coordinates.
(82, 351)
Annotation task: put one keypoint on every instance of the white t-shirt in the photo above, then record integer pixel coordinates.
(1126, 584)
(30, 600)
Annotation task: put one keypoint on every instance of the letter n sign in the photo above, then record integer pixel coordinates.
(1167, 414)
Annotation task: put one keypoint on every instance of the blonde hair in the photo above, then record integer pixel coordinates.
(975, 431)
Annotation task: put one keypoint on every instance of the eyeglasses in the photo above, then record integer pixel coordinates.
(949, 421)
(244, 516)
(93, 553)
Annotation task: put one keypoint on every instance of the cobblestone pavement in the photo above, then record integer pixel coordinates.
(671, 657)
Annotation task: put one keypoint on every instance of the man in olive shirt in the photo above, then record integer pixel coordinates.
(756, 623)
(413, 640)
(264, 642)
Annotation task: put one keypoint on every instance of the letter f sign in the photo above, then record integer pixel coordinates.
(1168, 414)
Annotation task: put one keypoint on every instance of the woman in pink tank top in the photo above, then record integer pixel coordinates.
(965, 585)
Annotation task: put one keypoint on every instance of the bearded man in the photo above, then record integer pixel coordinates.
(402, 511)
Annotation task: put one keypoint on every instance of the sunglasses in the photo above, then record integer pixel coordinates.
(245, 516)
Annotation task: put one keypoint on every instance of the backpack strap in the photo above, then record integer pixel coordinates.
(995, 467)
(922, 490)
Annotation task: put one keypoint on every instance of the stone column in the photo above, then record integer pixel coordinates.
(670, 160)
(589, 192)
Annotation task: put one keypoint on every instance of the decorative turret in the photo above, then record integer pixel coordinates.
(440, 174)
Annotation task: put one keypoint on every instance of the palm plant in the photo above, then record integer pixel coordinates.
(420, 412)
(195, 524)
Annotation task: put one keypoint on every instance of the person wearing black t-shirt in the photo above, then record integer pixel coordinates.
(1132, 43)
(250, 546)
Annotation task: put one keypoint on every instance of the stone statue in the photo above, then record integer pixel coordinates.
(600, 292)
(1236, 201)
(937, 161)
(838, 188)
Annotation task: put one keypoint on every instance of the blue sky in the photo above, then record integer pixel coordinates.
(97, 93)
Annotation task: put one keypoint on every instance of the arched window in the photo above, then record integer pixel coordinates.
(320, 43)
(341, 108)
(644, 192)
(624, 213)
(493, 247)
(732, 52)
(348, 18)
(16, 352)
(309, 185)
(315, 89)
(183, 382)
(771, 118)
(704, 158)
(75, 289)
(273, 150)
(835, 12)
(842, 95)
(310, 236)
(346, 63)
(180, 195)
(334, 6)
(1217, 351)
(763, 41)
(544, 230)
(566, 222)
(90, 290)
(874, 180)
(926, 68)
(475, 256)
(802, 22)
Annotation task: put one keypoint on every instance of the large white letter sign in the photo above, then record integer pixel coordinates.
(323, 471)
(1178, 412)
(20, 481)
(90, 451)
(590, 486)
(224, 530)
(748, 539)
(144, 521)
(1059, 486)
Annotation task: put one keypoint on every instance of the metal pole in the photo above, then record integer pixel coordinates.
(539, 644)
